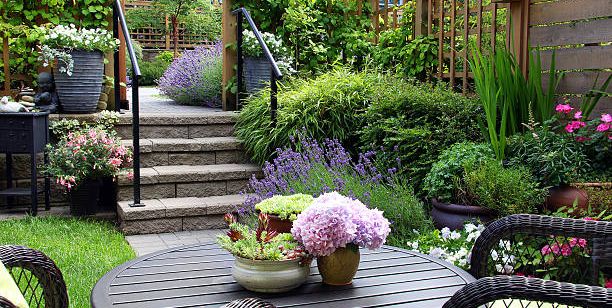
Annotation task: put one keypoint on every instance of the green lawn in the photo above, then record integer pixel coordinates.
(83, 249)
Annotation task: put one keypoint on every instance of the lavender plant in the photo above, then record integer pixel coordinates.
(195, 77)
(319, 168)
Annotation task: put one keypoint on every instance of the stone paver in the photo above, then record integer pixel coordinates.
(151, 101)
(149, 243)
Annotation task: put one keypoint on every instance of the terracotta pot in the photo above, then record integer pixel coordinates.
(266, 276)
(279, 225)
(454, 216)
(566, 195)
(339, 268)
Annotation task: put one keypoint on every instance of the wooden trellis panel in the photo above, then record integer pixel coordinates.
(580, 33)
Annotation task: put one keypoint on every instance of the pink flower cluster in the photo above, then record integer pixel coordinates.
(565, 249)
(333, 221)
(577, 122)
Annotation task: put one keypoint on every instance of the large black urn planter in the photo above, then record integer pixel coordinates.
(84, 198)
(454, 216)
(80, 92)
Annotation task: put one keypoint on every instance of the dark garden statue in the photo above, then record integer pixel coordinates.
(46, 99)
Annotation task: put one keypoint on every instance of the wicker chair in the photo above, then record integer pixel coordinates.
(563, 258)
(250, 302)
(37, 276)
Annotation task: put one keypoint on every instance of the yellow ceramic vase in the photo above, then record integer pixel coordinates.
(339, 268)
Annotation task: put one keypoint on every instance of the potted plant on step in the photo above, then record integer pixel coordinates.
(257, 69)
(79, 72)
(333, 228)
(283, 210)
(266, 261)
(80, 161)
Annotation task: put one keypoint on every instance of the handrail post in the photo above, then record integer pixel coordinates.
(136, 140)
(116, 73)
(239, 80)
(273, 97)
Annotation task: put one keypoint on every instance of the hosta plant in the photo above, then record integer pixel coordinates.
(59, 41)
(87, 154)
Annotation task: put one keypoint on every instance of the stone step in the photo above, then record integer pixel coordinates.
(213, 124)
(197, 151)
(176, 181)
(176, 214)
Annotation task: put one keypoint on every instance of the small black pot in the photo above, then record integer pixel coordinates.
(84, 199)
(454, 216)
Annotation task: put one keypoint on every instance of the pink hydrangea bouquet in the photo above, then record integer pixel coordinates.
(334, 221)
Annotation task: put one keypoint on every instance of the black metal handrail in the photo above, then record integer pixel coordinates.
(276, 73)
(119, 20)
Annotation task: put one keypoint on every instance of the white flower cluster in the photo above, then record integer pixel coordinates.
(58, 42)
(252, 48)
(456, 247)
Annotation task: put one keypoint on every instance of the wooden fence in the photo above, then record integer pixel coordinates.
(161, 37)
(580, 33)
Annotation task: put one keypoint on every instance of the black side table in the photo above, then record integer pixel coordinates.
(25, 133)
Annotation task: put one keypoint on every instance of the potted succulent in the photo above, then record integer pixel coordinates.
(80, 161)
(257, 69)
(444, 180)
(333, 228)
(266, 261)
(283, 210)
(79, 74)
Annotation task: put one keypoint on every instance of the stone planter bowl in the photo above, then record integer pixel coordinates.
(454, 216)
(270, 276)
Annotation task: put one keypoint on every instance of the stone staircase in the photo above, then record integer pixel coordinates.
(192, 170)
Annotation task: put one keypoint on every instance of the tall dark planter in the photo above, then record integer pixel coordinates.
(454, 216)
(84, 199)
(108, 195)
(257, 73)
(80, 92)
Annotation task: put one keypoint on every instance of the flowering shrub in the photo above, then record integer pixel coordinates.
(321, 168)
(452, 246)
(261, 243)
(286, 207)
(195, 77)
(281, 54)
(334, 221)
(90, 153)
(59, 41)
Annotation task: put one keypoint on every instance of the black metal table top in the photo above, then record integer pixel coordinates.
(200, 276)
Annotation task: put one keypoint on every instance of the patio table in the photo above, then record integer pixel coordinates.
(200, 276)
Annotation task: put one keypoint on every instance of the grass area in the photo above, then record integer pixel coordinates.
(84, 250)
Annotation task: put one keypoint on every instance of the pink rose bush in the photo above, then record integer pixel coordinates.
(87, 153)
(334, 221)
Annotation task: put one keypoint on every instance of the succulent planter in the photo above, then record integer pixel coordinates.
(454, 216)
(266, 276)
(339, 268)
(257, 73)
(566, 196)
(279, 225)
(80, 92)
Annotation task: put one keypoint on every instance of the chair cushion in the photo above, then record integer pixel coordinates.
(9, 290)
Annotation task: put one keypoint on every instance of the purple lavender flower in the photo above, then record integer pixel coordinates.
(195, 77)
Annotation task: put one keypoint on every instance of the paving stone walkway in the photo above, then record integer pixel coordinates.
(148, 243)
(151, 101)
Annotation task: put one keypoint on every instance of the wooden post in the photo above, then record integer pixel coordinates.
(375, 19)
(421, 18)
(7, 71)
(167, 33)
(519, 18)
(229, 56)
(122, 64)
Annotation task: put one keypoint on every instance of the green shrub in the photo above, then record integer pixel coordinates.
(151, 71)
(447, 172)
(418, 122)
(326, 107)
(397, 51)
(553, 159)
(506, 190)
